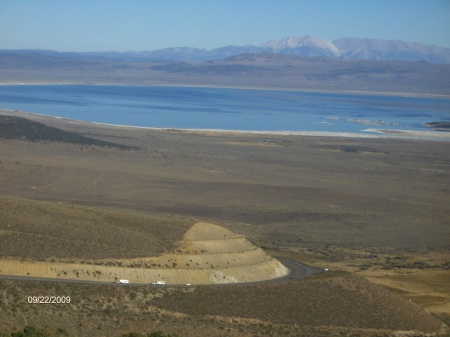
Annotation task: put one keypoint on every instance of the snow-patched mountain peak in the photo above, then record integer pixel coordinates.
(301, 43)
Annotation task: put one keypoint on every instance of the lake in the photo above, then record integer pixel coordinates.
(228, 109)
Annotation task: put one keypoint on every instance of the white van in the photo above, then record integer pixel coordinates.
(123, 281)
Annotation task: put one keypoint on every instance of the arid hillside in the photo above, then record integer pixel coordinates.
(48, 231)
(331, 304)
(374, 207)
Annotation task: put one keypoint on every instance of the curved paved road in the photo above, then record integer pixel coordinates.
(297, 271)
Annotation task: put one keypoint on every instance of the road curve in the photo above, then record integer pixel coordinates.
(297, 271)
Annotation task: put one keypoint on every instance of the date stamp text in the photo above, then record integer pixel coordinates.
(48, 299)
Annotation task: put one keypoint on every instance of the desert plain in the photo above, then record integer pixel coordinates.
(373, 211)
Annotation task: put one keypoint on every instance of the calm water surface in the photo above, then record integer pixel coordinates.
(218, 108)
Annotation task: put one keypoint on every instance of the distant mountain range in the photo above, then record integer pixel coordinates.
(305, 63)
(307, 46)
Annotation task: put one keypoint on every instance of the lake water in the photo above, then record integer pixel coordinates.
(230, 109)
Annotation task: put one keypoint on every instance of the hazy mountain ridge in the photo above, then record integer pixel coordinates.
(250, 70)
(391, 50)
(308, 46)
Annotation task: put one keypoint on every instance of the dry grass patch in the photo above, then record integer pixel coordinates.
(423, 277)
(429, 288)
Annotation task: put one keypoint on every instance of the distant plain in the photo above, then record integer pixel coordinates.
(266, 70)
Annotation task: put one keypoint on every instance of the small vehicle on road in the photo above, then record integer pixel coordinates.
(159, 282)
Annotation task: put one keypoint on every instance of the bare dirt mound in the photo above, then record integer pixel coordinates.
(224, 256)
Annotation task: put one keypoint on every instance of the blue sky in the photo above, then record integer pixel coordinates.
(100, 25)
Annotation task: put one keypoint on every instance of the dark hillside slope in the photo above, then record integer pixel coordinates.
(12, 127)
(336, 299)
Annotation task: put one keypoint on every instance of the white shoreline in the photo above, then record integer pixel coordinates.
(379, 133)
(262, 132)
(413, 134)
